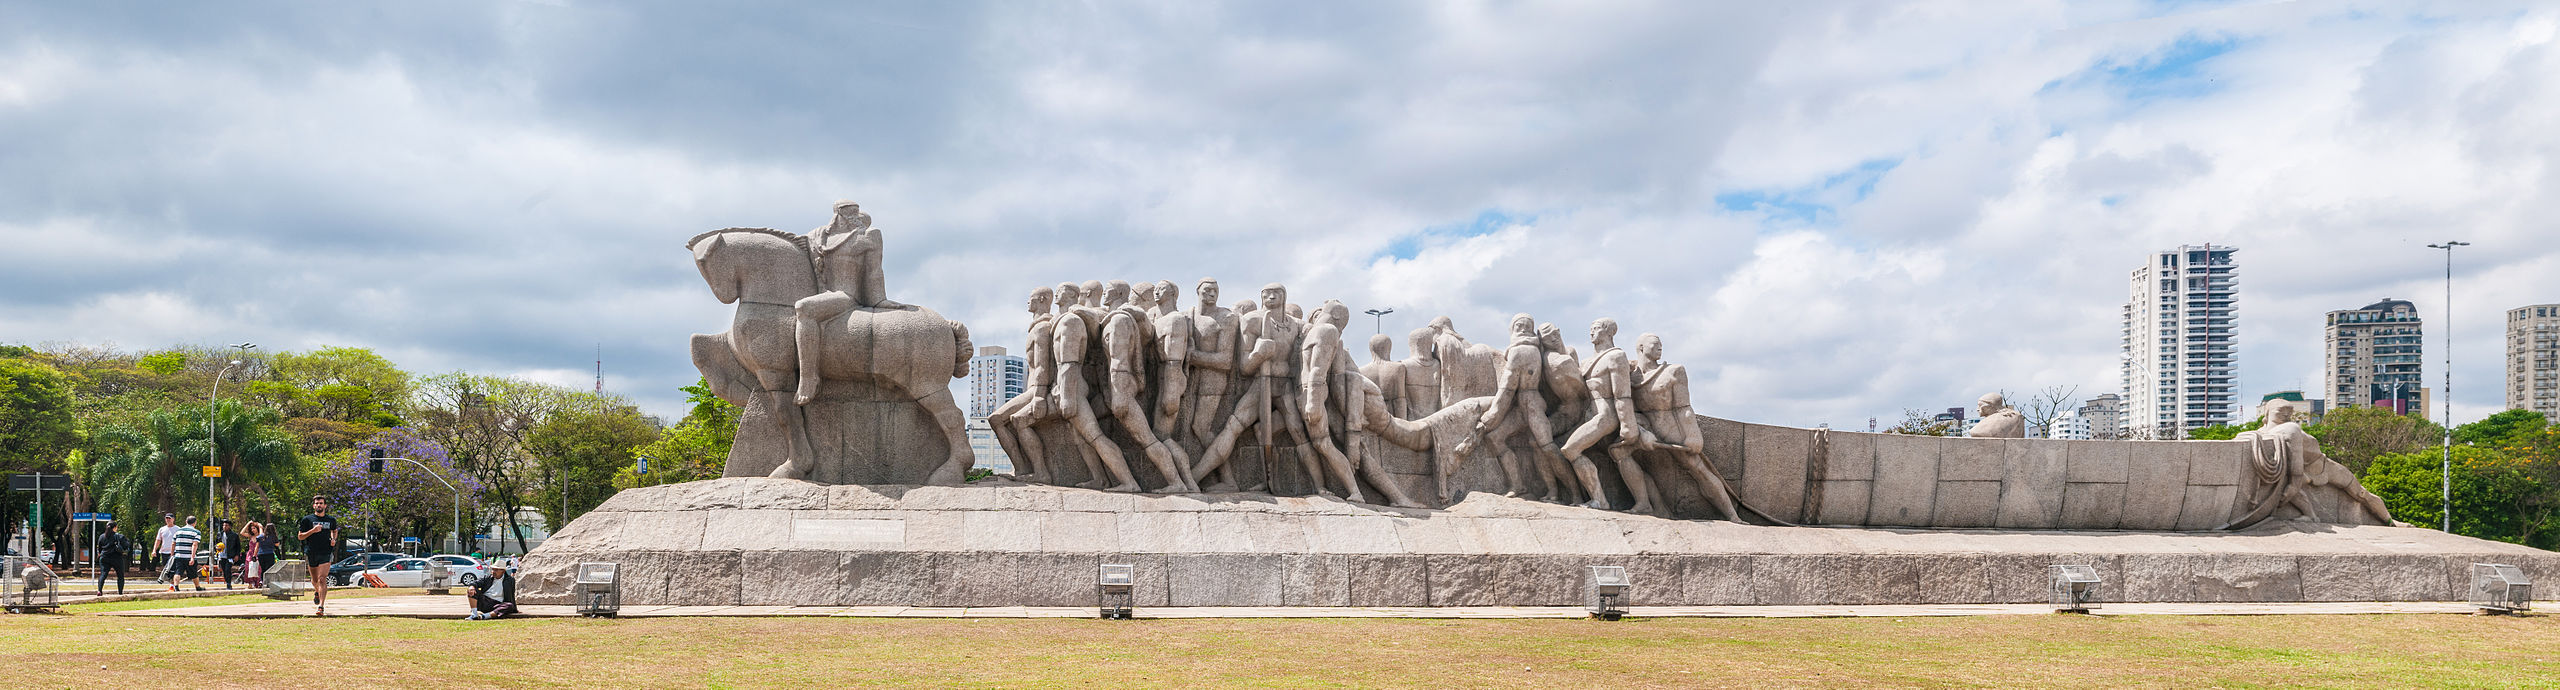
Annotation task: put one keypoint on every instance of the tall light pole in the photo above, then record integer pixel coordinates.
(212, 447)
(378, 455)
(1378, 324)
(2446, 504)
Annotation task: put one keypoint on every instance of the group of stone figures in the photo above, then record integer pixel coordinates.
(1113, 355)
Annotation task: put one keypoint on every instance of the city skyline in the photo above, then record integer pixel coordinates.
(1819, 208)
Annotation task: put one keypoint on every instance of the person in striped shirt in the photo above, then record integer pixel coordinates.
(182, 555)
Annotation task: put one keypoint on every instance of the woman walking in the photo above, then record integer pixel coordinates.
(268, 546)
(252, 538)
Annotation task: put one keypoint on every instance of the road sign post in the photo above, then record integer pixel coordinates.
(38, 483)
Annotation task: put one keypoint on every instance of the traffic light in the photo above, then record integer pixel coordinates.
(375, 465)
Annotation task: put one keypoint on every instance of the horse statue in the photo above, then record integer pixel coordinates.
(774, 338)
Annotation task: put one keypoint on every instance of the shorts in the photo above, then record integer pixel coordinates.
(317, 558)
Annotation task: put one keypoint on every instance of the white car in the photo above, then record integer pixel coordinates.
(464, 570)
(412, 572)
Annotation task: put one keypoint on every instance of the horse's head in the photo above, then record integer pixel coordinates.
(721, 275)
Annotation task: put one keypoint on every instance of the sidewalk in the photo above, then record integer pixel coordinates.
(422, 606)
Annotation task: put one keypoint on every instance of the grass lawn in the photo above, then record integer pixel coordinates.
(2361, 651)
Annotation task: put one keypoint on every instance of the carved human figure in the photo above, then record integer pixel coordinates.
(1126, 344)
(1568, 406)
(1611, 379)
(847, 252)
(1013, 421)
(1662, 402)
(1069, 340)
(1421, 374)
(1361, 408)
(2288, 464)
(1999, 420)
(1467, 369)
(1269, 401)
(1143, 296)
(1172, 369)
(1518, 405)
(1092, 293)
(1386, 372)
(1212, 365)
(846, 256)
(1320, 357)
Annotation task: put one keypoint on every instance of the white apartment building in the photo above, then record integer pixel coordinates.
(2373, 356)
(2179, 359)
(995, 377)
(2069, 425)
(982, 440)
(2533, 359)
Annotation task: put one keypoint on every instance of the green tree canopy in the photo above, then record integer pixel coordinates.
(578, 450)
(2354, 436)
(37, 429)
(2500, 429)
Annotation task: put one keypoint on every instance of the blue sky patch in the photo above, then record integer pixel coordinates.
(1485, 223)
(1813, 204)
(2178, 70)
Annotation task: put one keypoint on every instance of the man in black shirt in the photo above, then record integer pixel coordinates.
(319, 532)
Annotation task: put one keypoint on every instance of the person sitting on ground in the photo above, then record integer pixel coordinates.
(494, 596)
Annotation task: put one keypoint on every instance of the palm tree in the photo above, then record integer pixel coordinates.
(138, 467)
(252, 450)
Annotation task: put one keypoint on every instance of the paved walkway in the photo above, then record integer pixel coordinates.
(452, 607)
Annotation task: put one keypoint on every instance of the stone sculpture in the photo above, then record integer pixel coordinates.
(1519, 405)
(1668, 423)
(1611, 379)
(813, 311)
(2288, 467)
(1213, 370)
(1999, 420)
(1270, 397)
(1013, 422)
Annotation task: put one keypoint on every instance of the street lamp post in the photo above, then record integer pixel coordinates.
(1378, 324)
(431, 474)
(2446, 499)
(212, 446)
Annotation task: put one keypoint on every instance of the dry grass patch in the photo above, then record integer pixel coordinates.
(2358, 651)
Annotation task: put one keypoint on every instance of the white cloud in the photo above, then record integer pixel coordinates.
(501, 188)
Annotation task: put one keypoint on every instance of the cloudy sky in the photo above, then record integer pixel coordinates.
(1830, 211)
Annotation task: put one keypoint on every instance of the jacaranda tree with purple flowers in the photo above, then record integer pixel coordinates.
(401, 500)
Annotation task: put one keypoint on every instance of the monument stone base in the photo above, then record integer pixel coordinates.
(758, 541)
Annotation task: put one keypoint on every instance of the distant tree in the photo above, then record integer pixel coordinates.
(255, 452)
(2501, 428)
(2220, 432)
(348, 384)
(484, 422)
(1923, 423)
(2354, 436)
(695, 448)
(146, 467)
(2045, 406)
(401, 499)
(37, 430)
(2491, 491)
(578, 449)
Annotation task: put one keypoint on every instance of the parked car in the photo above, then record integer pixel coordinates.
(464, 570)
(404, 572)
(346, 570)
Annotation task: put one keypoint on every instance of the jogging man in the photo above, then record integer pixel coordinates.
(182, 555)
(319, 532)
(161, 543)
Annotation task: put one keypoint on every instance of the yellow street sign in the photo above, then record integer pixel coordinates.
(213, 470)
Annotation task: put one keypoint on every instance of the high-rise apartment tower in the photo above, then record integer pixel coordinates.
(2179, 359)
(2373, 355)
(2533, 359)
(995, 377)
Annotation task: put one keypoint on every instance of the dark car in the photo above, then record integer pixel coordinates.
(346, 570)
